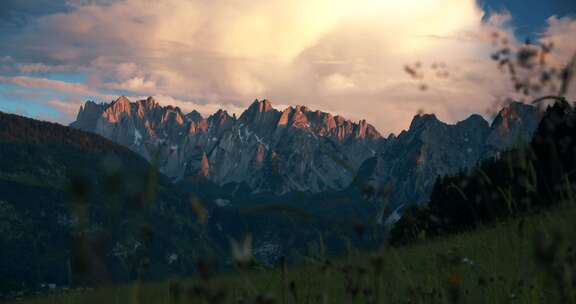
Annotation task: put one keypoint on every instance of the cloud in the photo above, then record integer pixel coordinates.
(64, 97)
(18, 12)
(43, 83)
(561, 31)
(341, 56)
(68, 108)
(206, 109)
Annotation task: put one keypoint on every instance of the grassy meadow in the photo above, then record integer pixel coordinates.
(525, 260)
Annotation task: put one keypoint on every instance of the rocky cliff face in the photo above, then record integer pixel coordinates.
(404, 171)
(296, 149)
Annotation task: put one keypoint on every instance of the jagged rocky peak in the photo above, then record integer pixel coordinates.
(195, 116)
(325, 119)
(257, 107)
(285, 117)
(324, 124)
(364, 130)
(88, 115)
(220, 122)
(515, 112)
(299, 119)
(90, 107)
(261, 116)
(261, 106)
(149, 102)
(301, 108)
(475, 120)
(514, 124)
(144, 106)
(220, 118)
(119, 108)
(173, 117)
(198, 126)
(424, 120)
(122, 104)
(221, 114)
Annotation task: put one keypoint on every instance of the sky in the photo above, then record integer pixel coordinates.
(340, 56)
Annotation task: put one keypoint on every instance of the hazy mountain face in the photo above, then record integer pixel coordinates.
(269, 150)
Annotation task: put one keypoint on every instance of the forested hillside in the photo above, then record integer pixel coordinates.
(517, 182)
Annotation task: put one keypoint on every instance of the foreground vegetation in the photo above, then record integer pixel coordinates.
(527, 260)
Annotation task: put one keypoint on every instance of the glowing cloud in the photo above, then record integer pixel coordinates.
(342, 56)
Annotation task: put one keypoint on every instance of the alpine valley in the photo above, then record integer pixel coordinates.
(133, 187)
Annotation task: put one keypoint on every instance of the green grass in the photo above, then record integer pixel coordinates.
(497, 264)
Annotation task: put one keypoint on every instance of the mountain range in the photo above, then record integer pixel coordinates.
(296, 149)
(404, 171)
(265, 150)
(291, 179)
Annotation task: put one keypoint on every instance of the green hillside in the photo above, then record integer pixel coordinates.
(522, 261)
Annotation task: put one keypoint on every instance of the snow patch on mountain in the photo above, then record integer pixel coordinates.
(137, 137)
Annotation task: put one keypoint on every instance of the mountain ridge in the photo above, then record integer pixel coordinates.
(243, 149)
(301, 150)
(431, 149)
